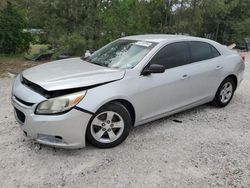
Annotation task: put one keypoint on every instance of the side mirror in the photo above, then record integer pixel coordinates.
(153, 68)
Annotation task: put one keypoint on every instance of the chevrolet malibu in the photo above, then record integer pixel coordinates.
(129, 82)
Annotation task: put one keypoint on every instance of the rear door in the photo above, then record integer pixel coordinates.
(204, 72)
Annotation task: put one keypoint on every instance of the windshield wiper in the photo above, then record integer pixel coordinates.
(84, 58)
(92, 62)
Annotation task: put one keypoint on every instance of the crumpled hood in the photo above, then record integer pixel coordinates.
(71, 73)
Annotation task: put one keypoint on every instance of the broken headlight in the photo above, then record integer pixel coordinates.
(60, 104)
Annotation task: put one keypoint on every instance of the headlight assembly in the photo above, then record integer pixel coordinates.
(60, 104)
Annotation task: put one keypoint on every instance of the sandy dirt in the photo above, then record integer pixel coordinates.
(207, 147)
(15, 65)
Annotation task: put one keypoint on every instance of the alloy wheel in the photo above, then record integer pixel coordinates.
(226, 92)
(107, 127)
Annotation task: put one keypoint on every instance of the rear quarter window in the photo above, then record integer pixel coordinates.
(215, 52)
(202, 51)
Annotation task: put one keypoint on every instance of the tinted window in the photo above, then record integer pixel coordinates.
(201, 51)
(214, 51)
(172, 55)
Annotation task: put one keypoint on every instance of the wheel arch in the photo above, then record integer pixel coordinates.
(128, 105)
(235, 79)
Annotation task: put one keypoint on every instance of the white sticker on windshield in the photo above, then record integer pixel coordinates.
(143, 43)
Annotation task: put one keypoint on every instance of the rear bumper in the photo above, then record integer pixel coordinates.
(65, 130)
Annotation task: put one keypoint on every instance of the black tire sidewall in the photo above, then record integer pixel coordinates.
(123, 112)
(217, 100)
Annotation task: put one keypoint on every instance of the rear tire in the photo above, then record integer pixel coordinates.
(109, 126)
(224, 93)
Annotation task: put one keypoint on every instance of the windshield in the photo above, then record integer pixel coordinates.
(121, 54)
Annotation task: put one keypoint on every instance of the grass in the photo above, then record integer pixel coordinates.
(36, 50)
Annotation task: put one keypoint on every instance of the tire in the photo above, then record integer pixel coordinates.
(219, 100)
(109, 126)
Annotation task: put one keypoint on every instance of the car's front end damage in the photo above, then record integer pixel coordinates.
(61, 129)
(53, 115)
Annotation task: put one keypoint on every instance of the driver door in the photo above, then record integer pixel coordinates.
(163, 92)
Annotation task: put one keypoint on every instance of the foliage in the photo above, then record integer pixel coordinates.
(227, 20)
(72, 44)
(36, 51)
(76, 25)
(12, 37)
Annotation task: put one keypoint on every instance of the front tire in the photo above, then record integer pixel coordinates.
(109, 126)
(224, 93)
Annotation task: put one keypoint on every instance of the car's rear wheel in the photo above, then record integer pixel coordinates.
(225, 93)
(109, 126)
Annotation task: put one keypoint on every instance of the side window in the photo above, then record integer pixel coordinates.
(214, 51)
(201, 51)
(172, 55)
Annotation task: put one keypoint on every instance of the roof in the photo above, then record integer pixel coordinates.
(159, 37)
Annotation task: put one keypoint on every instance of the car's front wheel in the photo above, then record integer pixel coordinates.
(109, 126)
(225, 93)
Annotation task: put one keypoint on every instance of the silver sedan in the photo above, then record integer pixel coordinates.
(128, 82)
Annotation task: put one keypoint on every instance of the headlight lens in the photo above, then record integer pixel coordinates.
(60, 104)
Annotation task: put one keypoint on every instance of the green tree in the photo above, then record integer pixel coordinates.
(73, 26)
(227, 20)
(13, 39)
(121, 18)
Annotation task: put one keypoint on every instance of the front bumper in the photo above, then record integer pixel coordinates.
(65, 130)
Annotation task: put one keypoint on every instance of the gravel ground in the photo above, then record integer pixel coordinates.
(207, 147)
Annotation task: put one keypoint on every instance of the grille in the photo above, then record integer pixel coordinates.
(20, 115)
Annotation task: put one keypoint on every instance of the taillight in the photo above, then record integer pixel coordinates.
(243, 58)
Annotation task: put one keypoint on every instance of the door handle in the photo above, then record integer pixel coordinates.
(184, 77)
(218, 67)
